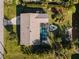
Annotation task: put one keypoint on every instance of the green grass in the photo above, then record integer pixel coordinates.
(9, 11)
(11, 46)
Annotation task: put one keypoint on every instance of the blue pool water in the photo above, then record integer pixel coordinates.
(43, 33)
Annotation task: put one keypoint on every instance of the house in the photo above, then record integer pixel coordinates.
(33, 29)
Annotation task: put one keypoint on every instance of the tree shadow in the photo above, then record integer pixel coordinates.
(75, 24)
(75, 56)
(36, 49)
(39, 49)
(9, 28)
(19, 10)
(65, 37)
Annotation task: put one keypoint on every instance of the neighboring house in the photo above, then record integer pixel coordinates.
(31, 0)
(75, 1)
(33, 28)
(54, 0)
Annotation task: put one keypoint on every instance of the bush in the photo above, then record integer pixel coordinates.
(72, 8)
(12, 35)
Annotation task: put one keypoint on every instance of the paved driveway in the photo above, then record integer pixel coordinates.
(13, 21)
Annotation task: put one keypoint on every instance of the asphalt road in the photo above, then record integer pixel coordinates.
(1, 29)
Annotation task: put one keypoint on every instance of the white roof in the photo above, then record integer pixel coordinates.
(30, 27)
